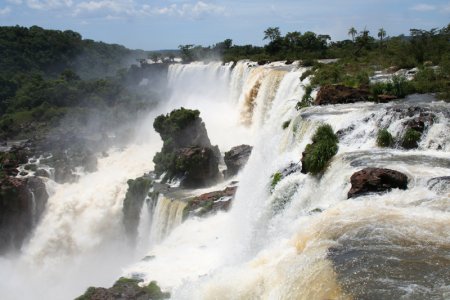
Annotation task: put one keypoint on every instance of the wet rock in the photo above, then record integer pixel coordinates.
(125, 289)
(236, 158)
(198, 166)
(22, 202)
(376, 180)
(386, 98)
(42, 173)
(421, 122)
(132, 204)
(209, 203)
(11, 159)
(340, 94)
(440, 185)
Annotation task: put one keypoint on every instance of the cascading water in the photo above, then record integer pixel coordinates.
(300, 240)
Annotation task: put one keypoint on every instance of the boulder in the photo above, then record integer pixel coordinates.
(197, 166)
(22, 202)
(208, 203)
(125, 289)
(340, 94)
(440, 185)
(376, 180)
(421, 122)
(236, 158)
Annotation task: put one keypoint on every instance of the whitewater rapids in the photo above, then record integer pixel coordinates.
(303, 240)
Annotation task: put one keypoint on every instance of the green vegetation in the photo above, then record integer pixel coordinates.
(128, 288)
(411, 138)
(324, 146)
(384, 138)
(276, 177)
(286, 124)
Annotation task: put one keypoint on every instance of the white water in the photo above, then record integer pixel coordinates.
(254, 251)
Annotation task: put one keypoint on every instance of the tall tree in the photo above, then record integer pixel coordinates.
(272, 33)
(352, 32)
(381, 34)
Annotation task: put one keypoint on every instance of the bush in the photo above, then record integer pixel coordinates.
(411, 139)
(276, 177)
(286, 124)
(384, 138)
(319, 153)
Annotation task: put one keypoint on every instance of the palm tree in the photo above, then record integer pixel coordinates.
(381, 34)
(352, 31)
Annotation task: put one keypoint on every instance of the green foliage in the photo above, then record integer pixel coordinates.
(286, 124)
(384, 138)
(171, 124)
(411, 138)
(306, 99)
(154, 291)
(306, 74)
(276, 177)
(324, 146)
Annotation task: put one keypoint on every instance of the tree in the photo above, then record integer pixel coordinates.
(381, 34)
(272, 33)
(186, 53)
(352, 32)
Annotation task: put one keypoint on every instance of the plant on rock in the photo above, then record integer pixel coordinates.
(411, 139)
(384, 138)
(323, 147)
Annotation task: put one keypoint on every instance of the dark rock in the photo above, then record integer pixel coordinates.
(440, 185)
(376, 180)
(22, 202)
(386, 98)
(132, 204)
(421, 122)
(340, 94)
(125, 289)
(236, 158)
(198, 166)
(208, 203)
(42, 173)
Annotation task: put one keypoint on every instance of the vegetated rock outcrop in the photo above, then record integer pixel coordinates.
(324, 146)
(132, 205)
(22, 202)
(125, 289)
(187, 153)
(236, 158)
(376, 180)
(209, 203)
(340, 94)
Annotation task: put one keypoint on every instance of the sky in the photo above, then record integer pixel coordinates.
(165, 24)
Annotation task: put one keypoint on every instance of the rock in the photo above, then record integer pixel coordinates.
(22, 202)
(386, 98)
(208, 203)
(421, 122)
(340, 94)
(197, 166)
(376, 180)
(125, 289)
(42, 173)
(440, 185)
(236, 158)
(132, 204)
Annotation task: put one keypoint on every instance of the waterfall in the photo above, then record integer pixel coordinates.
(303, 239)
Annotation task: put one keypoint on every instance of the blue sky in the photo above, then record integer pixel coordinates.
(165, 24)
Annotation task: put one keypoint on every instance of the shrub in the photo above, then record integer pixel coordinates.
(323, 148)
(276, 177)
(286, 124)
(384, 138)
(411, 139)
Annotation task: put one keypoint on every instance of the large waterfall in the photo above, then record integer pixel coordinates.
(301, 240)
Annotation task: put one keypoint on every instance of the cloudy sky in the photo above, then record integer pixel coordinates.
(165, 24)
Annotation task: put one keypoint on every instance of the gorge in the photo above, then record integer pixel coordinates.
(297, 237)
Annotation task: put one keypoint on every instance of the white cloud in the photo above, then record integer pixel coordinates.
(49, 4)
(423, 7)
(116, 9)
(16, 2)
(5, 11)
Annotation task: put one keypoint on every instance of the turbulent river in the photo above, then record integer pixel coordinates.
(303, 240)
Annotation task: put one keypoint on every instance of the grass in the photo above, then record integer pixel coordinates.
(411, 139)
(324, 146)
(384, 138)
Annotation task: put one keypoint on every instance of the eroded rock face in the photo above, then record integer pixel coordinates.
(236, 158)
(376, 180)
(340, 94)
(22, 202)
(208, 203)
(198, 166)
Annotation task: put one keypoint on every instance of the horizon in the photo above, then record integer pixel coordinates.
(163, 25)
